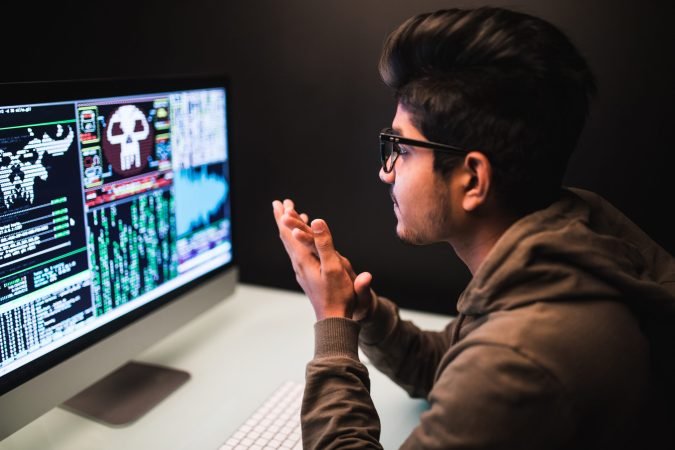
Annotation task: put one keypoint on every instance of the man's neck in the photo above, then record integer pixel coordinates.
(474, 247)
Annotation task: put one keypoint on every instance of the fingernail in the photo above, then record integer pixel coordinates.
(318, 226)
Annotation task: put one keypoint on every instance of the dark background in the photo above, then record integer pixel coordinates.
(307, 103)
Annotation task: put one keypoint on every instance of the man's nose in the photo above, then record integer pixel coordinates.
(387, 177)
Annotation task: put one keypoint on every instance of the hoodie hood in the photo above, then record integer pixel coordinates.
(579, 248)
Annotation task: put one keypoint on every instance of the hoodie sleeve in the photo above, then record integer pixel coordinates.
(337, 411)
(400, 350)
(489, 396)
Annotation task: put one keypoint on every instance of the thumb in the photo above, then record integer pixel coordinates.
(323, 241)
(364, 296)
(362, 285)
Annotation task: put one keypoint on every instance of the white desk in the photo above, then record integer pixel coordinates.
(237, 353)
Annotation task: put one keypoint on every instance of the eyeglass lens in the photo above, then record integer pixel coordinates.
(389, 155)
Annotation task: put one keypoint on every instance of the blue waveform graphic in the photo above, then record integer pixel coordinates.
(200, 197)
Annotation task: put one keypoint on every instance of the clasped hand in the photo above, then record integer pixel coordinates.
(327, 277)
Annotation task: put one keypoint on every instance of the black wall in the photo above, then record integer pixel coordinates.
(307, 104)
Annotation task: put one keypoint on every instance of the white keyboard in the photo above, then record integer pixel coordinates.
(274, 425)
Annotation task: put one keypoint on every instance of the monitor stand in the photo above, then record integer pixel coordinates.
(126, 394)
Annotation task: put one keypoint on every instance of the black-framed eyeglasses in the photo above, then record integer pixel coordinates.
(390, 147)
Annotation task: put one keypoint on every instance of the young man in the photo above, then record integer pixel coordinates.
(563, 338)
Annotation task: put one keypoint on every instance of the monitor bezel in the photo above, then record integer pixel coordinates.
(34, 92)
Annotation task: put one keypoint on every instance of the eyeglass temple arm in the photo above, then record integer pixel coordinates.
(426, 144)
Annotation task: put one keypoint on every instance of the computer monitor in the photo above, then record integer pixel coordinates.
(115, 227)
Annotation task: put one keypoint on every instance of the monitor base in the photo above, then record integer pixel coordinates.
(126, 394)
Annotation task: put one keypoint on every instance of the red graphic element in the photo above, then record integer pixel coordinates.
(128, 140)
(126, 188)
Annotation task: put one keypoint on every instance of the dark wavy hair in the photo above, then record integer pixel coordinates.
(504, 83)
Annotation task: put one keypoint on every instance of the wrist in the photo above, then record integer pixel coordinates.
(340, 313)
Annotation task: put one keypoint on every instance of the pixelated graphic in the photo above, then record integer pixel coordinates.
(18, 169)
(129, 140)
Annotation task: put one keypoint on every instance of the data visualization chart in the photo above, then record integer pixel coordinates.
(201, 186)
(201, 204)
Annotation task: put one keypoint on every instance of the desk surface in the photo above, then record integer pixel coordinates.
(237, 353)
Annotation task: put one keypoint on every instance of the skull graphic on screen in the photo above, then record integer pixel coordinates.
(128, 126)
(19, 169)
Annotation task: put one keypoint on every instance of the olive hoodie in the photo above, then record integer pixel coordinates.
(564, 339)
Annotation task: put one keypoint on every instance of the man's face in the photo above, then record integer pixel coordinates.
(421, 196)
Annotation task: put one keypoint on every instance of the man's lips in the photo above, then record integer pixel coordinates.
(393, 199)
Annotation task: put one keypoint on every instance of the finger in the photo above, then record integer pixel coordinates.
(305, 238)
(285, 222)
(297, 250)
(364, 296)
(289, 209)
(362, 284)
(284, 231)
(295, 222)
(289, 206)
(301, 232)
(277, 209)
(324, 245)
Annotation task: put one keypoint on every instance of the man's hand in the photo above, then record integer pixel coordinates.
(327, 277)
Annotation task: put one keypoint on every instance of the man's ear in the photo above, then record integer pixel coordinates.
(478, 180)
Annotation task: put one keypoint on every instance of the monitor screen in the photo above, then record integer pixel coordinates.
(114, 200)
